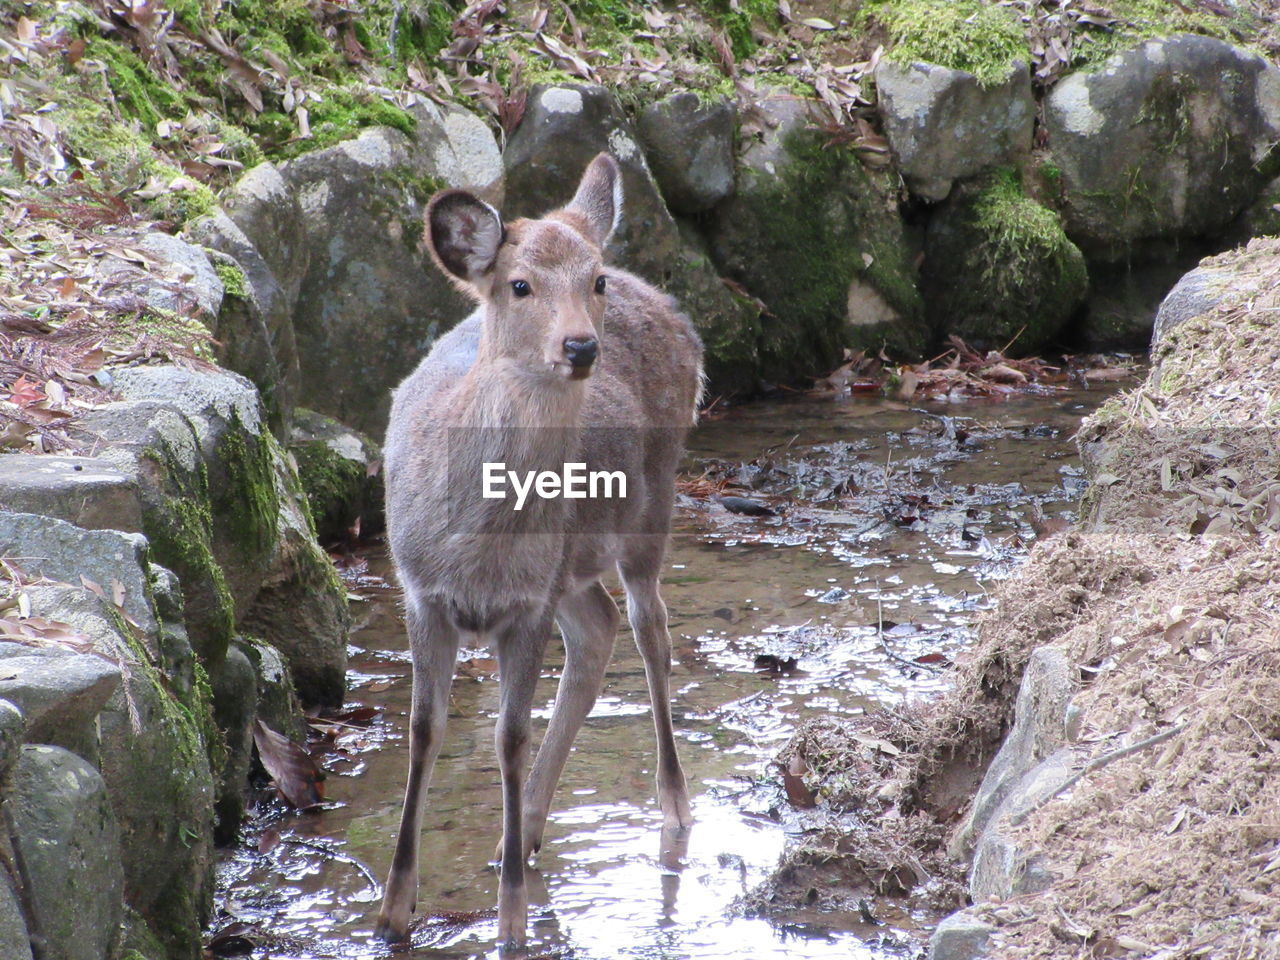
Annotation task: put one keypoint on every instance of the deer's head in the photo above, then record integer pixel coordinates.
(542, 281)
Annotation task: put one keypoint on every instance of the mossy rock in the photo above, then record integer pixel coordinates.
(812, 234)
(999, 268)
(980, 38)
(340, 472)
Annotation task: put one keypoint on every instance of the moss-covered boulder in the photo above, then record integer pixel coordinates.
(688, 140)
(563, 128)
(999, 268)
(340, 470)
(1170, 139)
(817, 238)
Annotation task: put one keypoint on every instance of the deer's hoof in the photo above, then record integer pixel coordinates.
(391, 931)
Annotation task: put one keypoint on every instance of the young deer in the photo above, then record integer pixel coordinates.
(564, 361)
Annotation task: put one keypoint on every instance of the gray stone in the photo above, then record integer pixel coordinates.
(87, 491)
(64, 552)
(13, 726)
(235, 699)
(1196, 293)
(960, 936)
(154, 759)
(278, 704)
(944, 126)
(255, 326)
(264, 208)
(1163, 140)
(174, 653)
(192, 287)
(689, 145)
(340, 470)
(302, 607)
(15, 940)
(235, 452)
(1039, 729)
(456, 148)
(818, 239)
(66, 834)
(1125, 297)
(154, 443)
(562, 130)
(373, 302)
(60, 694)
(1003, 866)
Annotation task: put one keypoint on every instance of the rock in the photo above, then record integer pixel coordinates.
(998, 268)
(174, 654)
(943, 125)
(64, 552)
(1003, 866)
(154, 757)
(1198, 292)
(235, 705)
(66, 834)
(688, 142)
(1039, 729)
(87, 491)
(235, 452)
(264, 208)
(13, 726)
(340, 470)
(456, 148)
(1124, 297)
(60, 693)
(563, 129)
(255, 325)
(302, 606)
(810, 233)
(960, 936)
(15, 940)
(373, 302)
(1163, 140)
(1260, 219)
(156, 445)
(192, 287)
(278, 705)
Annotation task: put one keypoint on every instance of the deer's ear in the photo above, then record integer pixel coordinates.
(464, 234)
(599, 198)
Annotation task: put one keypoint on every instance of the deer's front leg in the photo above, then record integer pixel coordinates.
(434, 642)
(521, 644)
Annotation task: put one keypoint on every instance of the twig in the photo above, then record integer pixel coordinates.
(1097, 764)
(334, 855)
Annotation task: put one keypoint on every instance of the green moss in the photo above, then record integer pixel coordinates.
(165, 329)
(739, 20)
(1021, 235)
(334, 487)
(1138, 20)
(247, 503)
(342, 114)
(234, 282)
(981, 38)
(136, 89)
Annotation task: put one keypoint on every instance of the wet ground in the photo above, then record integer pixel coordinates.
(891, 523)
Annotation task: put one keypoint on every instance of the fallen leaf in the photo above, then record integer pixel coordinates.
(298, 779)
(799, 795)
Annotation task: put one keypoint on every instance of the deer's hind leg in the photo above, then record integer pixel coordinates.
(648, 615)
(434, 642)
(588, 622)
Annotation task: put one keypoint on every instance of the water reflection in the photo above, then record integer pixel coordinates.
(843, 608)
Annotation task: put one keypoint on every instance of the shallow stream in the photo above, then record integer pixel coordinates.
(894, 522)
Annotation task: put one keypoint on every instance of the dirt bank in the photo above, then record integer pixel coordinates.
(1167, 598)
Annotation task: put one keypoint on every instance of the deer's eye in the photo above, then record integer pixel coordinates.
(521, 288)
(600, 284)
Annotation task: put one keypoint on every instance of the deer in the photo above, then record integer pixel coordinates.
(564, 360)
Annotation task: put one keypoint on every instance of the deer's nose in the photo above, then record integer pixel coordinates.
(581, 351)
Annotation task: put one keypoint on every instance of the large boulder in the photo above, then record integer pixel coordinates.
(66, 835)
(943, 125)
(1164, 140)
(563, 128)
(59, 692)
(998, 268)
(265, 211)
(816, 237)
(372, 302)
(15, 939)
(87, 491)
(1198, 291)
(688, 141)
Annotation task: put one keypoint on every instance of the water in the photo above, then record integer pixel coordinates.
(870, 592)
